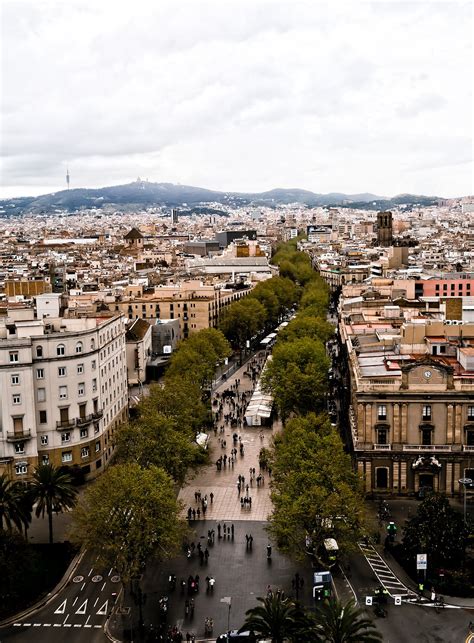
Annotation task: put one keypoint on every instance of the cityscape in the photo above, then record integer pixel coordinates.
(230, 410)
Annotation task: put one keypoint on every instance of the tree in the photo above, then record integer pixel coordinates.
(52, 491)
(315, 492)
(243, 320)
(129, 515)
(305, 325)
(437, 530)
(297, 376)
(15, 505)
(276, 618)
(338, 623)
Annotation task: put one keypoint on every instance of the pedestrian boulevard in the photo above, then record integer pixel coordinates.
(222, 483)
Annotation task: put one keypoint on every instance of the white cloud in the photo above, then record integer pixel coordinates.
(238, 95)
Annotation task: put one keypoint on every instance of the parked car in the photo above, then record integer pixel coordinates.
(234, 636)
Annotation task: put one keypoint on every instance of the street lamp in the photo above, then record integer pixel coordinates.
(465, 482)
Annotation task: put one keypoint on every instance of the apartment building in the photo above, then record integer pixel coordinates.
(63, 391)
(411, 411)
(194, 304)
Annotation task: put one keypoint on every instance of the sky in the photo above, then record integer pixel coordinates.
(245, 96)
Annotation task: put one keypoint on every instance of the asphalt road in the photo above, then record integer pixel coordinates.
(77, 614)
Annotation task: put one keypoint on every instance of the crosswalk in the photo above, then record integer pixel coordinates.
(385, 576)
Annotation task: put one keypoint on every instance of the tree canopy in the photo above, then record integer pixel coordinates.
(437, 530)
(129, 515)
(243, 320)
(297, 375)
(315, 492)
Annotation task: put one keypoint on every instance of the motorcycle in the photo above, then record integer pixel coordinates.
(208, 625)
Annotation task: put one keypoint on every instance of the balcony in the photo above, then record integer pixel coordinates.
(382, 447)
(97, 414)
(62, 425)
(467, 447)
(427, 447)
(86, 419)
(18, 436)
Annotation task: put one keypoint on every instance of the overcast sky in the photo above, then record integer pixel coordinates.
(247, 95)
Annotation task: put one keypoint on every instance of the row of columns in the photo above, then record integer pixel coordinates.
(366, 419)
(398, 476)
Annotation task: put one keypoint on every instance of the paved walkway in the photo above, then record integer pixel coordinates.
(223, 484)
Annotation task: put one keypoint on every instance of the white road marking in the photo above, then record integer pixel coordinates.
(92, 569)
(82, 609)
(77, 625)
(67, 616)
(26, 624)
(96, 601)
(17, 624)
(75, 601)
(88, 618)
(103, 609)
(83, 585)
(62, 608)
(98, 627)
(46, 624)
(87, 625)
(57, 625)
(103, 585)
(36, 624)
(110, 571)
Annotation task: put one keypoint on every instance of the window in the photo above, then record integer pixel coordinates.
(41, 395)
(94, 384)
(17, 398)
(381, 436)
(92, 344)
(381, 477)
(81, 388)
(80, 369)
(79, 347)
(84, 433)
(66, 456)
(470, 413)
(426, 413)
(97, 446)
(381, 412)
(19, 447)
(43, 417)
(94, 364)
(14, 357)
(63, 392)
(39, 351)
(85, 452)
(62, 371)
(21, 469)
(96, 429)
(14, 380)
(45, 459)
(426, 436)
(65, 437)
(470, 437)
(60, 350)
(44, 440)
(40, 373)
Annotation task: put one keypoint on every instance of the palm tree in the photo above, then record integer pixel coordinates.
(52, 490)
(14, 504)
(276, 618)
(338, 623)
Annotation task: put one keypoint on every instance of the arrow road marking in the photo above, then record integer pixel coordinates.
(103, 609)
(83, 607)
(62, 608)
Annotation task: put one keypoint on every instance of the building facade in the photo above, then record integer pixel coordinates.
(63, 391)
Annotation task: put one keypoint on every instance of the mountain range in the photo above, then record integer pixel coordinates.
(144, 193)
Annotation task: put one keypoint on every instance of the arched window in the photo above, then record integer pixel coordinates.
(60, 350)
(79, 347)
(92, 344)
(39, 351)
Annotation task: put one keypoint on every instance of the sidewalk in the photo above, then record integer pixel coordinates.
(223, 483)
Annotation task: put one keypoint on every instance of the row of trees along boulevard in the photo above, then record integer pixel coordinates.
(315, 492)
(131, 514)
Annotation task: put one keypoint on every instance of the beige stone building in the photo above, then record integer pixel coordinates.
(412, 401)
(194, 304)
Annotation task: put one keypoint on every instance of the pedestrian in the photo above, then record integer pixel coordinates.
(247, 539)
(188, 637)
(190, 513)
(206, 554)
(219, 531)
(198, 512)
(242, 502)
(250, 502)
(211, 497)
(247, 490)
(250, 541)
(238, 488)
(194, 514)
(232, 531)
